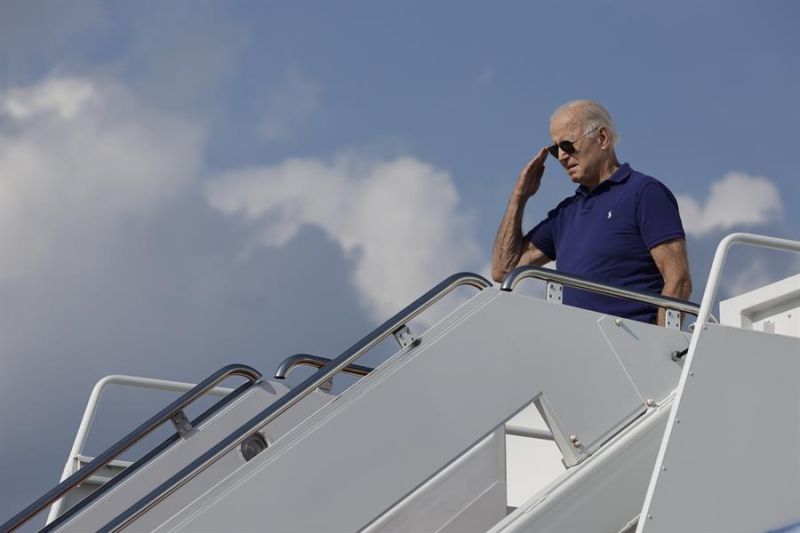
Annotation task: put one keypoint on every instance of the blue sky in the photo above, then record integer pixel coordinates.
(188, 184)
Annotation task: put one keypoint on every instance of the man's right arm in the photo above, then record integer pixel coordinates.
(511, 249)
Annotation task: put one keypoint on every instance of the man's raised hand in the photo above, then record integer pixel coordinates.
(531, 176)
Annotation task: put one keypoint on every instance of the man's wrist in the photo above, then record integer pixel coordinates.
(519, 197)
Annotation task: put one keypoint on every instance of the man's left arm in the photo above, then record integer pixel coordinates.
(671, 259)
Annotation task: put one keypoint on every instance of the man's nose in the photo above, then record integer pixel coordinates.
(562, 156)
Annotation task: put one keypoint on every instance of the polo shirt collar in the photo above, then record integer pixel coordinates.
(620, 175)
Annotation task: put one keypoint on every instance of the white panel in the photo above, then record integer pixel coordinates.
(774, 308)
(469, 494)
(646, 354)
(601, 494)
(731, 461)
(415, 414)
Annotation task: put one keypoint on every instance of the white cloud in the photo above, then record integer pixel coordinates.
(63, 97)
(112, 263)
(735, 200)
(289, 104)
(397, 219)
(79, 157)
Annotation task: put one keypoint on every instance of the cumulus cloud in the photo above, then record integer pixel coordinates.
(735, 200)
(113, 263)
(62, 97)
(398, 219)
(78, 157)
(288, 105)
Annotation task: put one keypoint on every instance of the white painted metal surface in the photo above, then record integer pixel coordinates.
(601, 494)
(467, 495)
(426, 406)
(731, 461)
(705, 311)
(774, 308)
(645, 354)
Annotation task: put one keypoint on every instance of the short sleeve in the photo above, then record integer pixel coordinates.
(542, 236)
(658, 216)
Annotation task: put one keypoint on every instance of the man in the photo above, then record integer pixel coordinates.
(620, 227)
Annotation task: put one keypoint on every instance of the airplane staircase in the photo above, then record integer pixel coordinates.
(419, 442)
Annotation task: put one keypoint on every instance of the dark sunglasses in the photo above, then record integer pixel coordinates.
(568, 146)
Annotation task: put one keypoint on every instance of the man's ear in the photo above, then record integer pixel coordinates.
(605, 139)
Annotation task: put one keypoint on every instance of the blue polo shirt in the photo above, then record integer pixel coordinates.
(606, 235)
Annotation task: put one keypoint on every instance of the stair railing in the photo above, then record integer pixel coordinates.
(284, 403)
(555, 280)
(173, 412)
(73, 464)
(721, 255)
(304, 359)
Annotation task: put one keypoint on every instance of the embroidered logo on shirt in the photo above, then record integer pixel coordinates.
(610, 214)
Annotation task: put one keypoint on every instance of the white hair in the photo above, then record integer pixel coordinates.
(592, 115)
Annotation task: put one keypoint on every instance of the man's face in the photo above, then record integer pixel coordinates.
(584, 165)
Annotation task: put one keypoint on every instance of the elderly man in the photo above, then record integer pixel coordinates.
(620, 227)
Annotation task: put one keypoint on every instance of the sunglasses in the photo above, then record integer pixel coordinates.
(568, 146)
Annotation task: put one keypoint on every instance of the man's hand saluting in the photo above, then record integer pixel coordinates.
(531, 176)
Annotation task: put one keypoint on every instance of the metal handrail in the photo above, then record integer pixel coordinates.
(284, 403)
(91, 408)
(54, 522)
(520, 273)
(721, 255)
(304, 359)
(129, 440)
